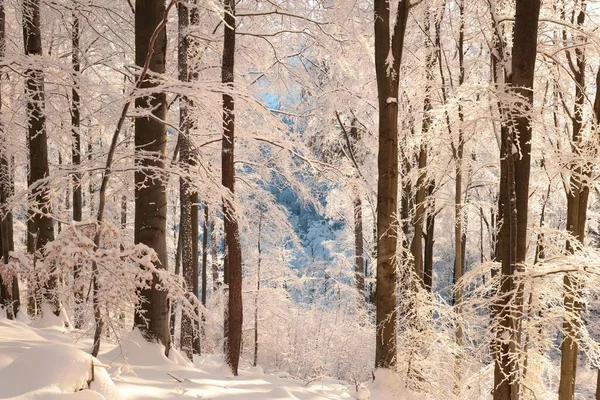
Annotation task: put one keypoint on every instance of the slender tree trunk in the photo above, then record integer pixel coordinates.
(43, 226)
(458, 196)
(214, 264)
(78, 287)
(193, 45)
(577, 199)
(152, 316)
(429, 240)
(255, 361)
(204, 272)
(195, 271)
(6, 296)
(422, 186)
(359, 248)
(174, 305)
(233, 253)
(387, 187)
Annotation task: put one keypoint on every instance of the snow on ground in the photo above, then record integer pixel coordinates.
(45, 361)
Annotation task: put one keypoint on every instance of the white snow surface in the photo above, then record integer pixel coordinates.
(48, 361)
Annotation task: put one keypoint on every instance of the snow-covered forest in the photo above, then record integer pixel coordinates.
(299, 199)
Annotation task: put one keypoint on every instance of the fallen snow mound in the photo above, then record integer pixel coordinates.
(135, 350)
(51, 370)
(389, 386)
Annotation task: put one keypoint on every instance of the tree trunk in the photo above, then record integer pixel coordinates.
(193, 45)
(8, 297)
(422, 186)
(214, 264)
(186, 222)
(174, 305)
(514, 200)
(204, 272)
(359, 248)
(459, 236)
(78, 287)
(43, 226)
(429, 240)
(233, 252)
(152, 315)
(577, 199)
(387, 185)
(255, 361)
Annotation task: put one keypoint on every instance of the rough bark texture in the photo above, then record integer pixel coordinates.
(42, 224)
(186, 222)
(152, 317)
(78, 287)
(387, 185)
(514, 202)
(233, 252)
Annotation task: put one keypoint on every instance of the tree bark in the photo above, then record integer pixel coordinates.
(577, 199)
(152, 315)
(429, 240)
(9, 295)
(204, 273)
(186, 222)
(359, 248)
(78, 287)
(233, 252)
(42, 223)
(387, 185)
(214, 264)
(514, 201)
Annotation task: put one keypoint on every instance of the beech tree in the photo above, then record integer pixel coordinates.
(389, 42)
(514, 200)
(233, 252)
(152, 317)
(41, 229)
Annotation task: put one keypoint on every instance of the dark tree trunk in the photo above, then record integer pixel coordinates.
(78, 287)
(204, 272)
(459, 234)
(233, 253)
(422, 185)
(514, 202)
(214, 265)
(177, 272)
(8, 298)
(193, 46)
(359, 249)
(387, 185)
(43, 226)
(186, 223)
(152, 316)
(429, 240)
(577, 200)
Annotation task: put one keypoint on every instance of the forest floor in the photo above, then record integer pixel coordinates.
(48, 362)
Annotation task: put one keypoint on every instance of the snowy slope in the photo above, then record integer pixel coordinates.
(49, 362)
